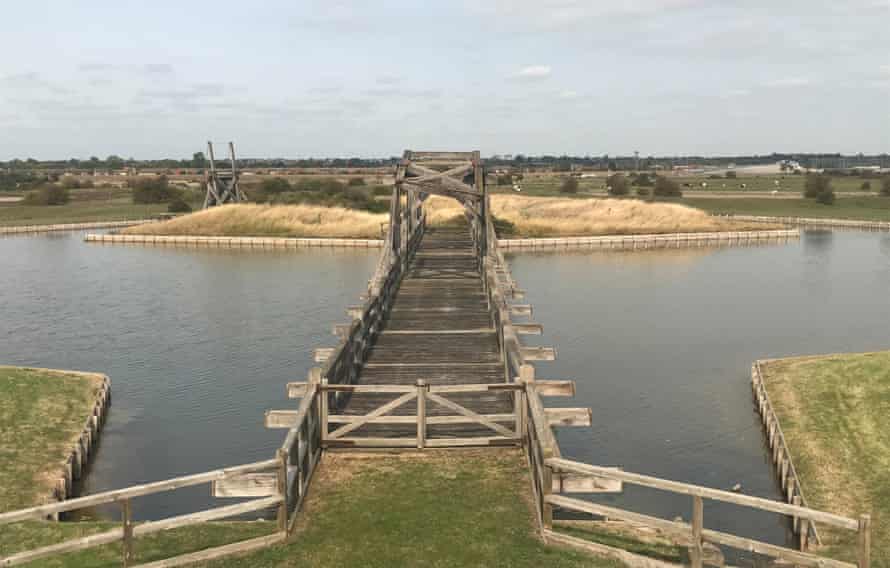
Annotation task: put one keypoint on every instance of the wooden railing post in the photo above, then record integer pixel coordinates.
(696, 551)
(421, 413)
(282, 490)
(864, 556)
(127, 519)
(546, 489)
(803, 531)
(519, 409)
(323, 410)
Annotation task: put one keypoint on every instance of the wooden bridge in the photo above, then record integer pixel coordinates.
(432, 358)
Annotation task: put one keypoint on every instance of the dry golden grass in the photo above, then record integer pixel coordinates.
(531, 217)
(270, 220)
(563, 217)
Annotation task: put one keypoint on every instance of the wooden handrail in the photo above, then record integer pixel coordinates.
(684, 533)
(832, 519)
(42, 511)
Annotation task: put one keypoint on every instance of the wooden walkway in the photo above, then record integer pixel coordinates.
(439, 330)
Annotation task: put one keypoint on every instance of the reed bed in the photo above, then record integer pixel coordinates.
(529, 217)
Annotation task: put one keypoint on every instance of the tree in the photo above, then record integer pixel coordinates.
(570, 185)
(866, 186)
(356, 182)
(153, 190)
(816, 184)
(198, 160)
(818, 187)
(826, 197)
(732, 175)
(642, 180)
(48, 195)
(617, 184)
(665, 187)
(885, 186)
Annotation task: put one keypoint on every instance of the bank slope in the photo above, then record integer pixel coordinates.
(835, 414)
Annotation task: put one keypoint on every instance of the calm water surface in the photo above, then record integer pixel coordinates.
(661, 345)
(199, 343)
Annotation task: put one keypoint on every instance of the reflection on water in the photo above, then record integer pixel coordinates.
(198, 343)
(661, 350)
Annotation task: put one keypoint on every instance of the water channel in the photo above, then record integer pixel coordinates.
(200, 342)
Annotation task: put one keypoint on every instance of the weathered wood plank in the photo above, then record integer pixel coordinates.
(246, 485)
(538, 353)
(569, 416)
(218, 552)
(554, 387)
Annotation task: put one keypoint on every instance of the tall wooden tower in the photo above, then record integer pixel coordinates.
(222, 185)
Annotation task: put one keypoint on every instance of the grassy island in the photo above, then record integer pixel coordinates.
(42, 414)
(835, 414)
(517, 217)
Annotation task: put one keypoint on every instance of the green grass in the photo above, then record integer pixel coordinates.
(41, 415)
(659, 549)
(862, 208)
(835, 413)
(77, 211)
(31, 535)
(548, 185)
(437, 509)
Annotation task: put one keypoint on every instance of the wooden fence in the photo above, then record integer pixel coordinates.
(129, 531)
(781, 456)
(694, 535)
(552, 476)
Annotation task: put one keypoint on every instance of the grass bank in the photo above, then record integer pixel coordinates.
(77, 211)
(860, 208)
(42, 414)
(835, 414)
(465, 508)
(523, 217)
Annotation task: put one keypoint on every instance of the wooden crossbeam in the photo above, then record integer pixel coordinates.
(322, 354)
(577, 483)
(297, 389)
(280, 418)
(460, 170)
(568, 416)
(388, 407)
(521, 309)
(555, 387)
(467, 412)
(539, 353)
(246, 485)
(528, 328)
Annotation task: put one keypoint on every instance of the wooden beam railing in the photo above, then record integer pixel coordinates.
(551, 474)
(504, 427)
(129, 531)
(694, 535)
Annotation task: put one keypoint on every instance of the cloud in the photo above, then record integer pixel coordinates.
(789, 82)
(533, 72)
(157, 68)
(569, 94)
(885, 69)
(31, 82)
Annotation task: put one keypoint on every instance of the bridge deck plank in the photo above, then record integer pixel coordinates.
(441, 291)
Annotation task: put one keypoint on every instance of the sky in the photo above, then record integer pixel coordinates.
(369, 79)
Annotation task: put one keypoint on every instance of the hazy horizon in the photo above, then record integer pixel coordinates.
(349, 79)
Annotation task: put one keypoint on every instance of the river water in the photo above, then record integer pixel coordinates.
(200, 342)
